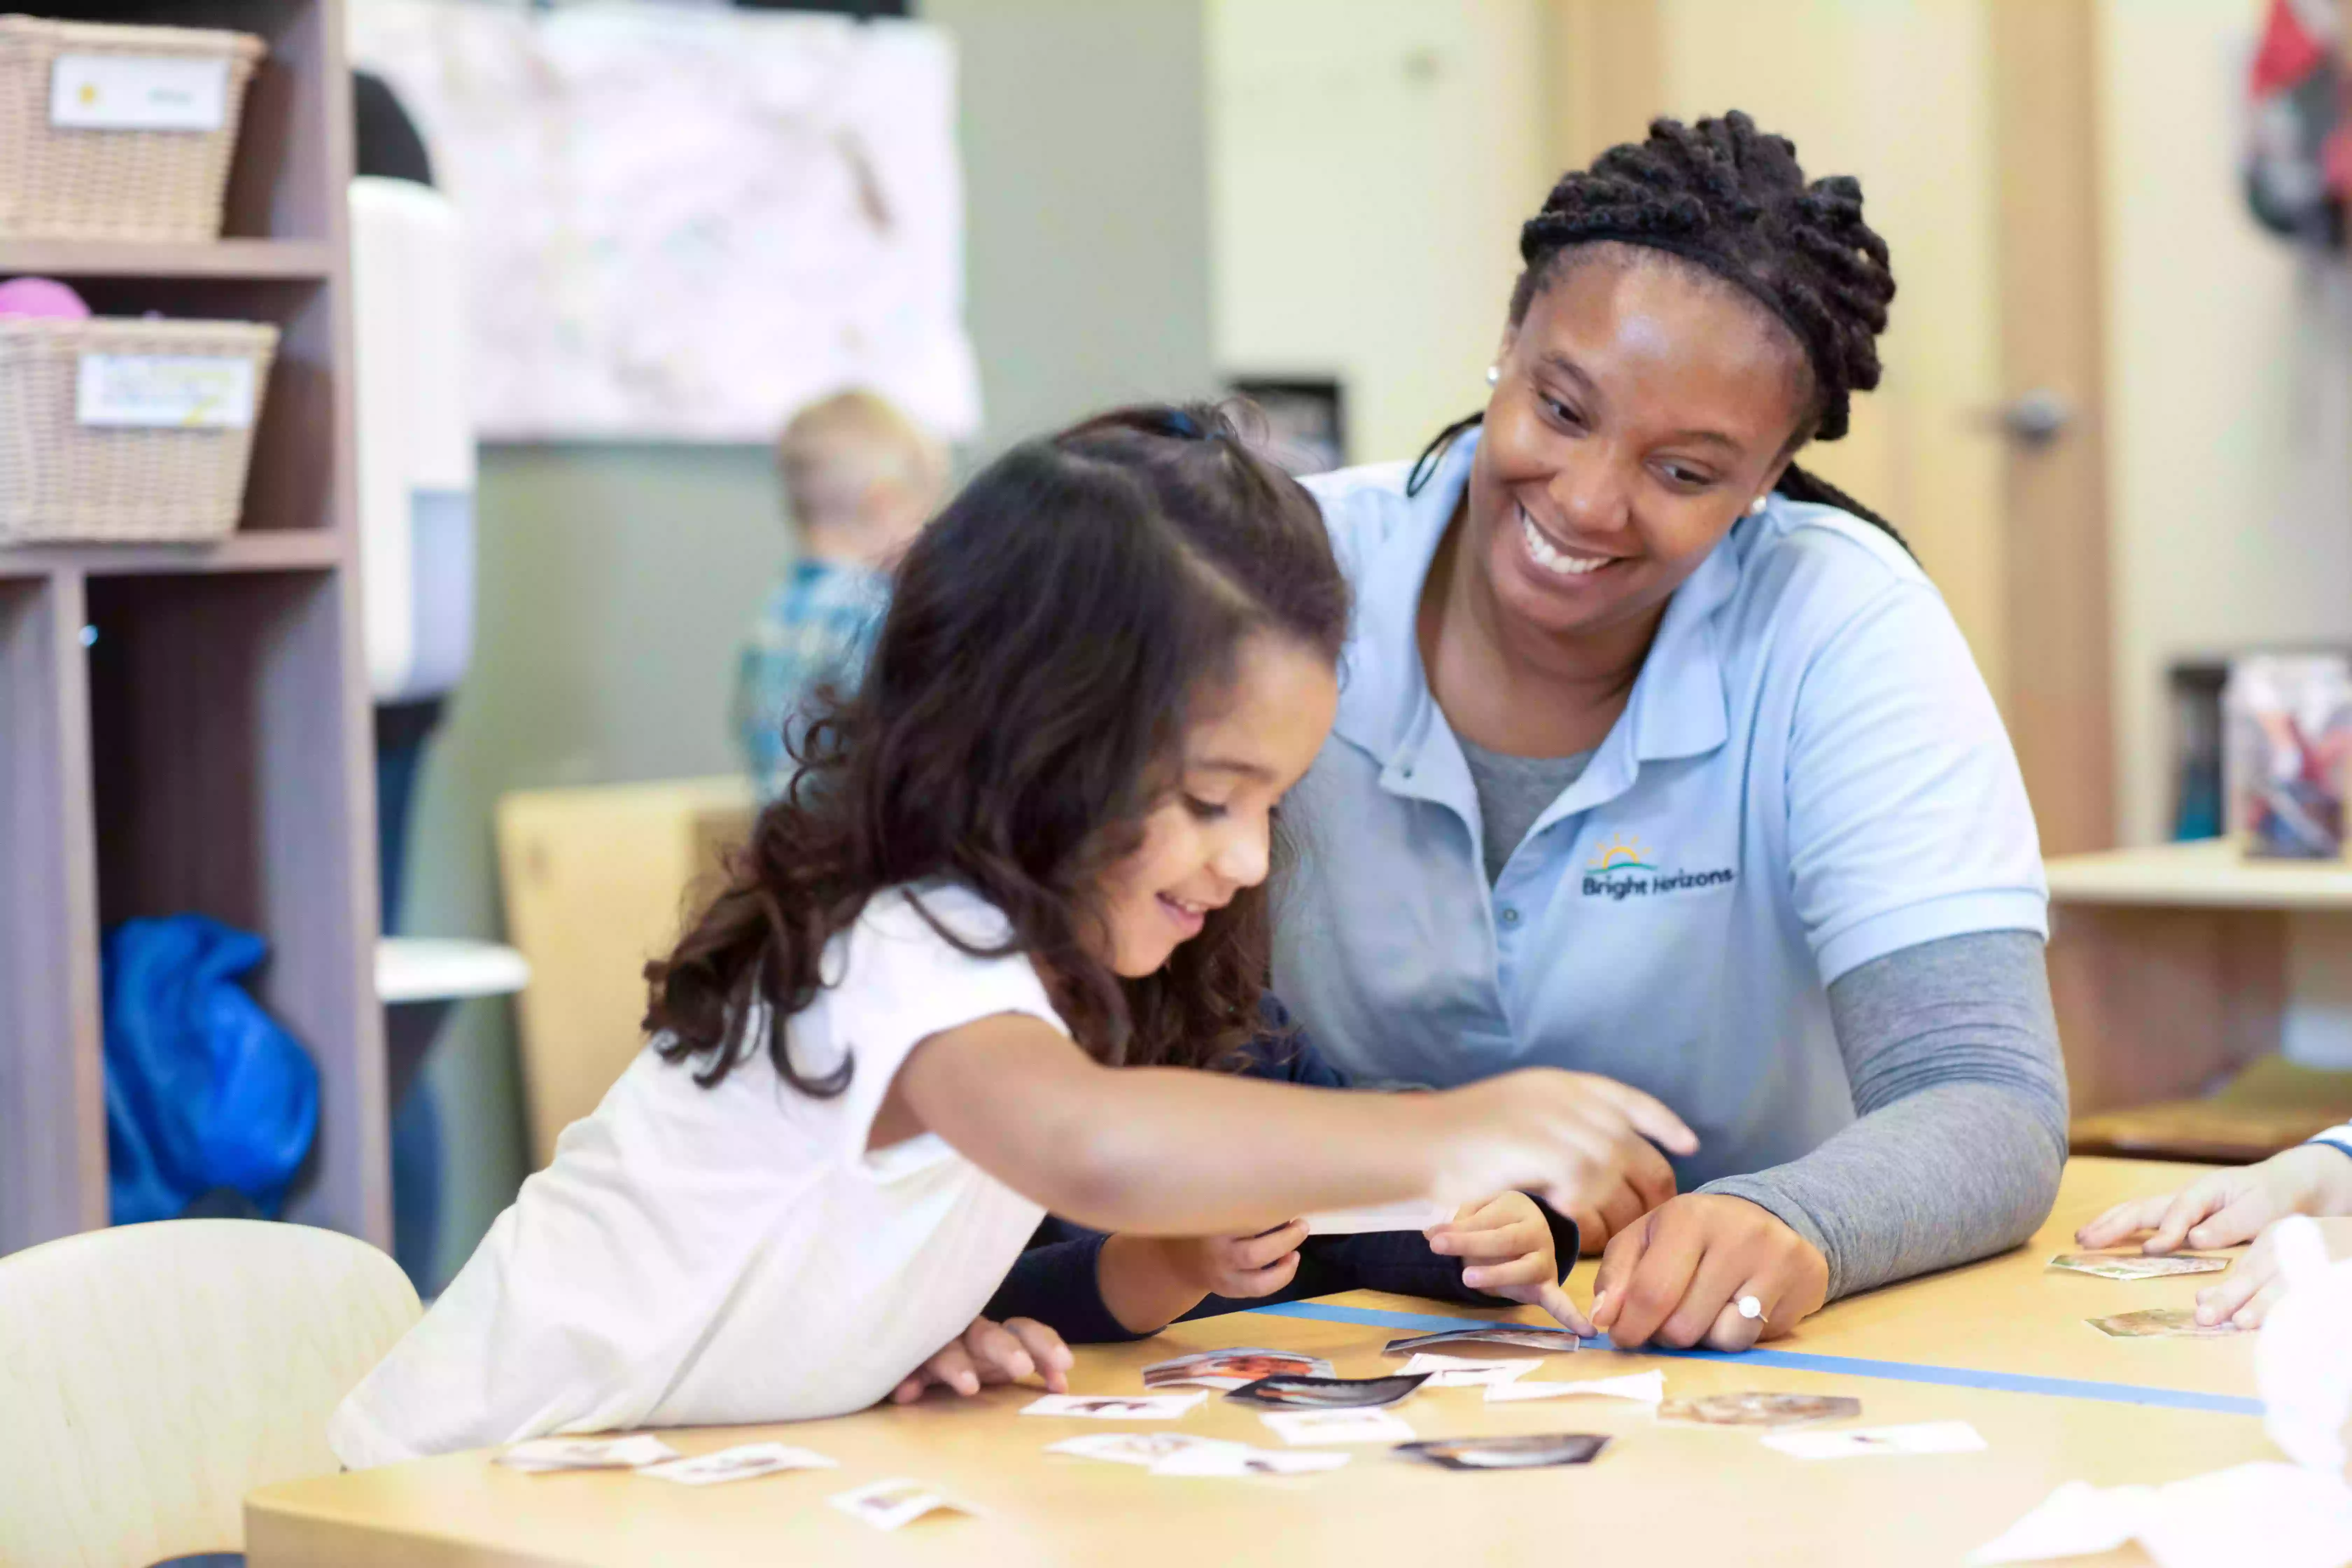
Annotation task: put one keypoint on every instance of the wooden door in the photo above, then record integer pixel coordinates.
(1971, 124)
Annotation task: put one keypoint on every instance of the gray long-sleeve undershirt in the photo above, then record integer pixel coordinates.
(1952, 1050)
(1959, 1088)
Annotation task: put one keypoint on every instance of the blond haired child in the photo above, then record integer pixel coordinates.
(859, 479)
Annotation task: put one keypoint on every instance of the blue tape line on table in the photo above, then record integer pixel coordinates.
(1799, 1361)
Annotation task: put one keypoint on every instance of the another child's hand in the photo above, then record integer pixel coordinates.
(2246, 1294)
(1147, 1283)
(2230, 1207)
(1242, 1267)
(990, 1352)
(1507, 1247)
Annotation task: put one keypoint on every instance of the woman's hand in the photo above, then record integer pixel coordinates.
(1506, 1246)
(1585, 1145)
(2245, 1295)
(1677, 1275)
(987, 1354)
(2230, 1207)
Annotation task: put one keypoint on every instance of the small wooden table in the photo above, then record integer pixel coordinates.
(2001, 1344)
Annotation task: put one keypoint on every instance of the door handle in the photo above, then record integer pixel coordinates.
(2032, 418)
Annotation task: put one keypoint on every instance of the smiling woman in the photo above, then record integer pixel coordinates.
(1753, 838)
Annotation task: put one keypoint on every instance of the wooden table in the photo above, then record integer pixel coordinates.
(2076, 1405)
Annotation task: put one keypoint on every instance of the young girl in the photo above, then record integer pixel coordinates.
(1016, 890)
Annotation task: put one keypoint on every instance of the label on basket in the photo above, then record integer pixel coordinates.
(138, 92)
(165, 390)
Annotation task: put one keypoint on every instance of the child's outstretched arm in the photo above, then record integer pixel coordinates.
(1170, 1151)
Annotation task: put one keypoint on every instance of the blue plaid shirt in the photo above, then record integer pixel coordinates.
(816, 629)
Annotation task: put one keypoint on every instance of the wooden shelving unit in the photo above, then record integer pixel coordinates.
(232, 259)
(184, 728)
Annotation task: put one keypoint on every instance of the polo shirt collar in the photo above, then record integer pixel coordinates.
(1678, 707)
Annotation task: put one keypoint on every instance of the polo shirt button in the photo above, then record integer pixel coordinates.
(1510, 916)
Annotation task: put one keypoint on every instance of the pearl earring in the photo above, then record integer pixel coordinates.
(1756, 508)
(1494, 374)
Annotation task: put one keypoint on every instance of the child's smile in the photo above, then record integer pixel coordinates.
(1213, 836)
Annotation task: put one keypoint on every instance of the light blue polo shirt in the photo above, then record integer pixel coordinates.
(1809, 774)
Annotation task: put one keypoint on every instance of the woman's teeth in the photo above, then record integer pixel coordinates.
(1558, 563)
(1183, 908)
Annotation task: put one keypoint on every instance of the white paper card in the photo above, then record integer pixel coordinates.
(587, 1453)
(1238, 1460)
(1921, 1437)
(207, 392)
(138, 92)
(1116, 1406)
(1461, 1371)
(1415, 1214)
(885, 1505)
(1646, 1387)
(740, 1463)
(1144, 1449)
(1300, 1428)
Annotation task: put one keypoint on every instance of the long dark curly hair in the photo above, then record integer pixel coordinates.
(1049, 637)
(1732, 202)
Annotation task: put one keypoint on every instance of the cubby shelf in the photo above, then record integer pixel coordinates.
(277, 549)
(224, 258)
(186, 727)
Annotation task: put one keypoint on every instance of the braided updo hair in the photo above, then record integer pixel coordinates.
(1731, 202)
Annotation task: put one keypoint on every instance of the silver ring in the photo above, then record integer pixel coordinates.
(1750, 1309)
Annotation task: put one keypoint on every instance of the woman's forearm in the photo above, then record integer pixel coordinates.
(1953, 1052)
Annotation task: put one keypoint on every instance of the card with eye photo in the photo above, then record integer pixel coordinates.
(1518, 1336)
(1759, 1409)
(1327, 1393)
(1525, 1451)
(1144, 1449)
(1232, 1368)
(1114, 1407)
(2137, 1266)
(744, 1462)
(890, 1504)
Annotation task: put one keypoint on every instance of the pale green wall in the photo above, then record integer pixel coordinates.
(615, 580)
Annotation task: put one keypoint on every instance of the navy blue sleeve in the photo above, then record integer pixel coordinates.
(1054, 1281)
(1282, 1051)
(1394, 1260)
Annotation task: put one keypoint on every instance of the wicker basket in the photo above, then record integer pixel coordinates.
(63, 480)
(72, 184)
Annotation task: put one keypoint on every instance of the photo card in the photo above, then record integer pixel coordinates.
(1232, 1368)
(1327, 1393)
(1521, 1451)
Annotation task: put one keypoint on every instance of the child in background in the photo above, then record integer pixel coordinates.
(2228, 1207)
(963, 975)
(859, 481)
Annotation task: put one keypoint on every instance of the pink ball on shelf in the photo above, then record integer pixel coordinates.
(41, 297)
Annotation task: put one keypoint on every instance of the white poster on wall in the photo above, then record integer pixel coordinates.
(683, 224)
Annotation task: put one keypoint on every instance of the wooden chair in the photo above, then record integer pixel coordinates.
(153, 1374)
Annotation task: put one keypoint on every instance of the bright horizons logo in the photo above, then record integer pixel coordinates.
(1624, 870)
